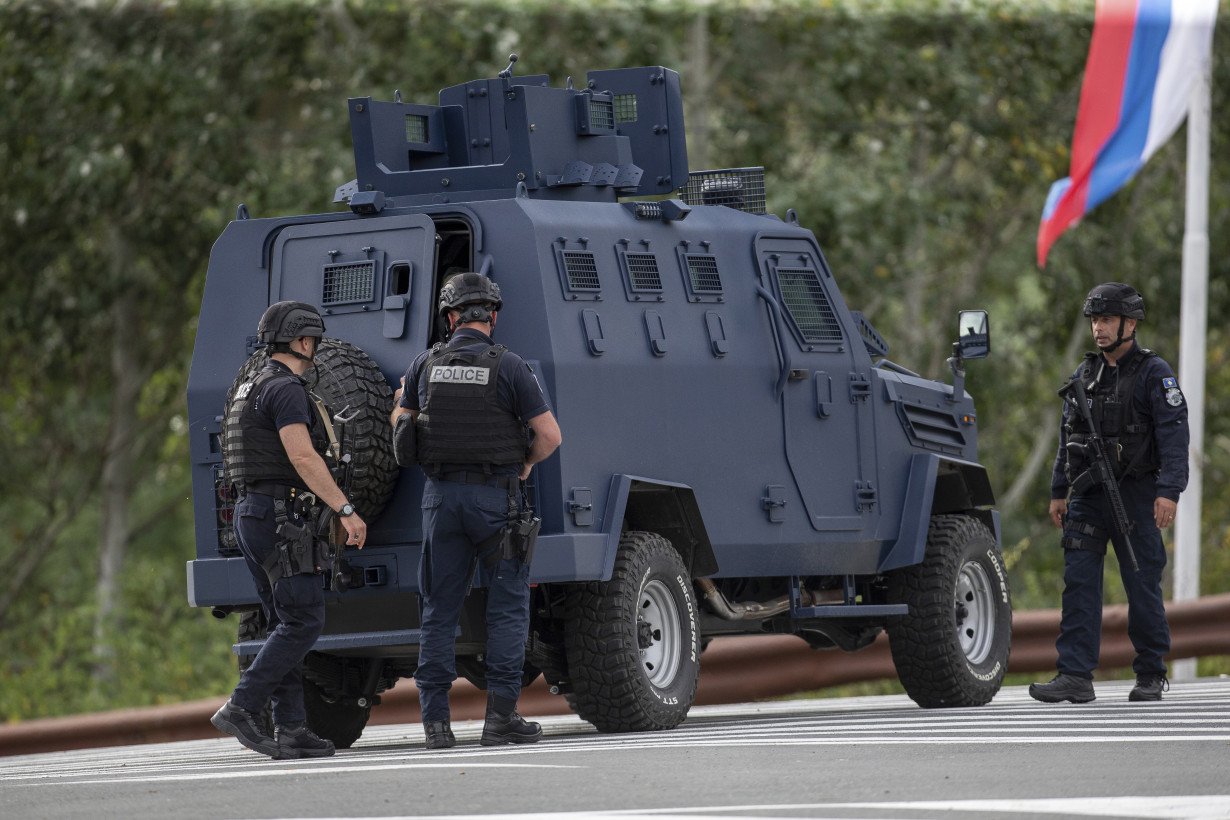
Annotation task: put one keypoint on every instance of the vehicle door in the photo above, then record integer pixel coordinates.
(824, 388)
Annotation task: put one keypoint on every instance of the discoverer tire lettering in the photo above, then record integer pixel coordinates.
(633, 642)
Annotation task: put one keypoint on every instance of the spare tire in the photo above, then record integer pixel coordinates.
(353, 389)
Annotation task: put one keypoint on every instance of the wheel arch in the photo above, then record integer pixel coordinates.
(939, 486)
(664, 507)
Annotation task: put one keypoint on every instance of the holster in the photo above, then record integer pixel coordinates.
(298, 550)
(515, 540)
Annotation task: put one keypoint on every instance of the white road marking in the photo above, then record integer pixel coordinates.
(1175, 807)
(297, 771)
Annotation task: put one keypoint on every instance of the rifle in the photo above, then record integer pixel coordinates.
(1101, 470)
(330, 533)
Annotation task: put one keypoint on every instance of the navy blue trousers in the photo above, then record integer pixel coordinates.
(1080, 629)
(456, 519)
(295, 610)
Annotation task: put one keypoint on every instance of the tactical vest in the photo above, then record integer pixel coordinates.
(252, 451)
(462, 421)
(1126, 431)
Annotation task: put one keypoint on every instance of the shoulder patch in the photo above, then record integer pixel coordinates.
(1174, 397)
(1170, 381)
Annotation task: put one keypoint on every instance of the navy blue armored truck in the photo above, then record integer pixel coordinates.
(739, 458)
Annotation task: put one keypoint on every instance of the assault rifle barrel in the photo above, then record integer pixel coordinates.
(1104, 470)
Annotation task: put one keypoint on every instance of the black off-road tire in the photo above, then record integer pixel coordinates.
(338, 719)
(633, 642)
(952, 648)
(348, 381)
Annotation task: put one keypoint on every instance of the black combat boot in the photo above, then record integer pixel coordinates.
(1063, 687)
(245, 727)
(439, 735)
(1149, 687)
(296, 740)
(504, 725)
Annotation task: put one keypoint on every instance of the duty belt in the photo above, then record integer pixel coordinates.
(273, 489)
(503, 482)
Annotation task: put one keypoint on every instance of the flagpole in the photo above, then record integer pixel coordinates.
(1193, 320)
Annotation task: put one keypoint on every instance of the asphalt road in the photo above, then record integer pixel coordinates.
(879, 757)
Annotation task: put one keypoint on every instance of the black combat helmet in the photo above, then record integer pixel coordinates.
(474, 289)
(283, 322)
(1115, 299)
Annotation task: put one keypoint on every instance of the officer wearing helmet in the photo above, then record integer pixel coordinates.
(481, 422)
(273, 439)
(1141, 414)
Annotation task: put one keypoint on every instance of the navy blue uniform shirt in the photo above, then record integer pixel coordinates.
(284, 401)
(1157, 397)
(518, 387)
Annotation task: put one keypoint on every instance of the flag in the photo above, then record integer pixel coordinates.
(1144, 57)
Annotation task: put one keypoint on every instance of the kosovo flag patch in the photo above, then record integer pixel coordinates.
(1174, 396)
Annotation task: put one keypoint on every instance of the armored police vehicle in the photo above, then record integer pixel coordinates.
(739, 458)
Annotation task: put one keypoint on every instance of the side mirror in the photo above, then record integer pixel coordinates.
(973, 334)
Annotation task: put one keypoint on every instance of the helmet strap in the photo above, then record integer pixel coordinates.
(1119, 340)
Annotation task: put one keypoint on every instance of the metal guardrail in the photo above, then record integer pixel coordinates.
(733, 670)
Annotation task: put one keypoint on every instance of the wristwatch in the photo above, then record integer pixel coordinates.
(347, 509)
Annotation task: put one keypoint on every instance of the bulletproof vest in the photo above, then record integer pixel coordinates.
(1126, 431)
(462, 421)
(252, 450)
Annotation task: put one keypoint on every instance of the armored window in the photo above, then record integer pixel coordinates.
(601, 115)
(738, 188)
(349, 283)
(416, 128)
(643, 275)
(581, 271)
(808, 305)
(625, 108)
(703, 274)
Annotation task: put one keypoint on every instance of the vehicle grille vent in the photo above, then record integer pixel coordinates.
(643, 272)
(348, 283)
(933, 428)
(703, 273)
(808, 305)
(738, 188)
(582, 270)
(601, 115)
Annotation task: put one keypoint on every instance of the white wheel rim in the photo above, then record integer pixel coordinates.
(975, 612)
(656, 609)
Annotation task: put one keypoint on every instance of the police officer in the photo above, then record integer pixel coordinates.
(273, 440)
(471, 402)
(1140, 412)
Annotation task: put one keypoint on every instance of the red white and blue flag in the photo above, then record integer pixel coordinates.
(1144, 57)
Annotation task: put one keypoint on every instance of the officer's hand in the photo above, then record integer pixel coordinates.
(525, 471)
(356, 530)
(1163, 512)
(1059, 508)
(399, 391)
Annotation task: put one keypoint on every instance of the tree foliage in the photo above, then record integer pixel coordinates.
(916, 137)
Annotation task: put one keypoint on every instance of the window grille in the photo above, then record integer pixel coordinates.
(581, 270)
(703, 274)
(808, 305)
(643, 275)
(348, 283)
(625, 108)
